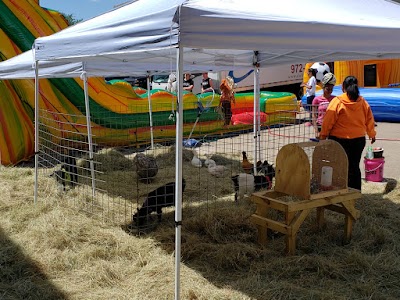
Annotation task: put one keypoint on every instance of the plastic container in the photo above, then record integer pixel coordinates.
(374, 169)
(326, 176)
(378, 152)
(370, 153)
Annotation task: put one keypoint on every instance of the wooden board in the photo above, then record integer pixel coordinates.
(331, 153)
(293, 172)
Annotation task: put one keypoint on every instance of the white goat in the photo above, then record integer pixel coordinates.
(246, 184)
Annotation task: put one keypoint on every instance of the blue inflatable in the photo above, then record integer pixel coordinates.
(384, 102)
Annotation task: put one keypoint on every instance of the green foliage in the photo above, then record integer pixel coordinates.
(71, 19)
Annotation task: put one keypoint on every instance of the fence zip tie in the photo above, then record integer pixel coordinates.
(38, 152)
(178, 223)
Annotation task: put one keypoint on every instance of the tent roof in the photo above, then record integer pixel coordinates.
(142, 37)
(23, 66)
(283, 31)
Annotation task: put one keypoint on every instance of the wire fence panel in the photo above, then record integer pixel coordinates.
(128, 169)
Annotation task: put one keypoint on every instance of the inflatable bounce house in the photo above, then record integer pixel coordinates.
(379, 82)
(119, 113)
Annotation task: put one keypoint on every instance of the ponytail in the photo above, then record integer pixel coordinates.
(313, 72)
(350, 85)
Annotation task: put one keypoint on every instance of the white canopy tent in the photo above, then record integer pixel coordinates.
(209, 34)
(23, 67)
(282, 32)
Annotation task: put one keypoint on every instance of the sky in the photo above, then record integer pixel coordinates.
(81, 9)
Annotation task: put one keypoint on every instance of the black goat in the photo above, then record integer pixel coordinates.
(266, 169)
(68, 173)
(163, 196)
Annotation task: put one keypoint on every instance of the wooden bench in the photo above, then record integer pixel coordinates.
(295, 212)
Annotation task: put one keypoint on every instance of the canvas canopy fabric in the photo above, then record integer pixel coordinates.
(23, 67)
(141, 38)
(281, 31)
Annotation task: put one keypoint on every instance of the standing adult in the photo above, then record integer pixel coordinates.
(320, 103)
(310, 89)
(348, 118)
(188, 82)
(226, 100)
(206, 84)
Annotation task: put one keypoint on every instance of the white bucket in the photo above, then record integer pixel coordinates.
(326, 176)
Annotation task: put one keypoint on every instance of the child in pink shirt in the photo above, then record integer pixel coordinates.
(320, 103)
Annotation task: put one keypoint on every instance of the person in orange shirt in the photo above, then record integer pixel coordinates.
(226, 99)
(347, 120)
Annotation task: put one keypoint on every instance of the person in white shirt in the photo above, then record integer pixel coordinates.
(310, 89)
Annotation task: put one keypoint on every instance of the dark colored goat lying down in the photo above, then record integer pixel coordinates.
(163, 196)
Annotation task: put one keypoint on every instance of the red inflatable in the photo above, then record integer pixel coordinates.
(247, 118)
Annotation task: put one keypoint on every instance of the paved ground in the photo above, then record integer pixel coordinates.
(388, 137)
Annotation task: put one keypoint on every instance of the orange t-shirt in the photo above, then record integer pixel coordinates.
(348, 119)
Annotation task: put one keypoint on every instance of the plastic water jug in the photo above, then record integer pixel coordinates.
(326, 176)
(370, 153)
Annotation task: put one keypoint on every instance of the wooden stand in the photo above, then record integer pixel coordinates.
(295, 212)
(298, 177)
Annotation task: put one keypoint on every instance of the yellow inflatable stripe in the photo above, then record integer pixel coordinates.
(53, 19)
(16, 127)
(8, 48)
(28, 17)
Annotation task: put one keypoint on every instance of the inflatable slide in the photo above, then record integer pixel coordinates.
(119, 113)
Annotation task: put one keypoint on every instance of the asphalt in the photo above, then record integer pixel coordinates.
(388, 137)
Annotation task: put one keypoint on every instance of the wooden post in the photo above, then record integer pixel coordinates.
(348, 227)
(291, 236)
(262, 211)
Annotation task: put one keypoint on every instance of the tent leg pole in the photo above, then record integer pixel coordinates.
(178, 170)
(256, 117)
(89, 131)
(150, 112)
(36, 130)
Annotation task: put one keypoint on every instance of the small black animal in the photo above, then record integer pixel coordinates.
(163, 196)
(71, 169)
(68, 173)
(266, 169)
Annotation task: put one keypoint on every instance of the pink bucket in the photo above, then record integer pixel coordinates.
(374, 169)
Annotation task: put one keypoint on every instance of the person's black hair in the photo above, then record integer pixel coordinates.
(313, 72)
(350, 85)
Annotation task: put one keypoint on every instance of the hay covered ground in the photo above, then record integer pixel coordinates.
(50, 251)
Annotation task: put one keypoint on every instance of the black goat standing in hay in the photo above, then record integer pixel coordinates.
(68, 173)
(163, 196)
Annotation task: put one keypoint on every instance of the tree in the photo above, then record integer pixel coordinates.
(71, 19)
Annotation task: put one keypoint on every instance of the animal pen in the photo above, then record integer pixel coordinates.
(113, 189)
